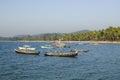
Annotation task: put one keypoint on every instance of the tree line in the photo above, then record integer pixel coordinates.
(108, 34)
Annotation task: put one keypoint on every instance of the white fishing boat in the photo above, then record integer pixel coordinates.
(26, 49)
(59, 44)
(74, 50)
(47, 46)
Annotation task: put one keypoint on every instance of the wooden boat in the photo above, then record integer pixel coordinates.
(26, 46)
(58, 44)
(27, 50)
(23, 51)
(79, 50)
(47, 46)
(62, 54)
(95, 44)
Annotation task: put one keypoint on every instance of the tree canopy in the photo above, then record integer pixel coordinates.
(109, 34)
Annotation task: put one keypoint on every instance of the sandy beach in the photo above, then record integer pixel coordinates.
(114, 42)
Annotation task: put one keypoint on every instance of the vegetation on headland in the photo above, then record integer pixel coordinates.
(109, 34)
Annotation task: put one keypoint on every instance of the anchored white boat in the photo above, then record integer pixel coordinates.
(26, 49)
(47, 46)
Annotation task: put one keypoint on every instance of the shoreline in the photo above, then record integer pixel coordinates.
(96, 41)
(101, 42)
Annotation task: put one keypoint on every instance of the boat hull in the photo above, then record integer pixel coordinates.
(62, 54)
(79, 50)
(27, 52)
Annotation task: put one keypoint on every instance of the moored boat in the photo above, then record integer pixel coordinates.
(47, 46)
(58, 44)
(62, 54)
(95, 44)
(79, 50)
(27, 50)
(22, 51)
(27, 47)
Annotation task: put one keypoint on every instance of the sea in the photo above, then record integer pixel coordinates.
(101, 62)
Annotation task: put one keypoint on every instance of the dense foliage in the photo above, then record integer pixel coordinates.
(109, 34)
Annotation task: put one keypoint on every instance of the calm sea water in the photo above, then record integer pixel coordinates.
(102, 62)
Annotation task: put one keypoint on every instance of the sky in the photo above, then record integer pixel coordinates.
(30, 17)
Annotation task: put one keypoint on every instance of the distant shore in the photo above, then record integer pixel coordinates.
(114, 42)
